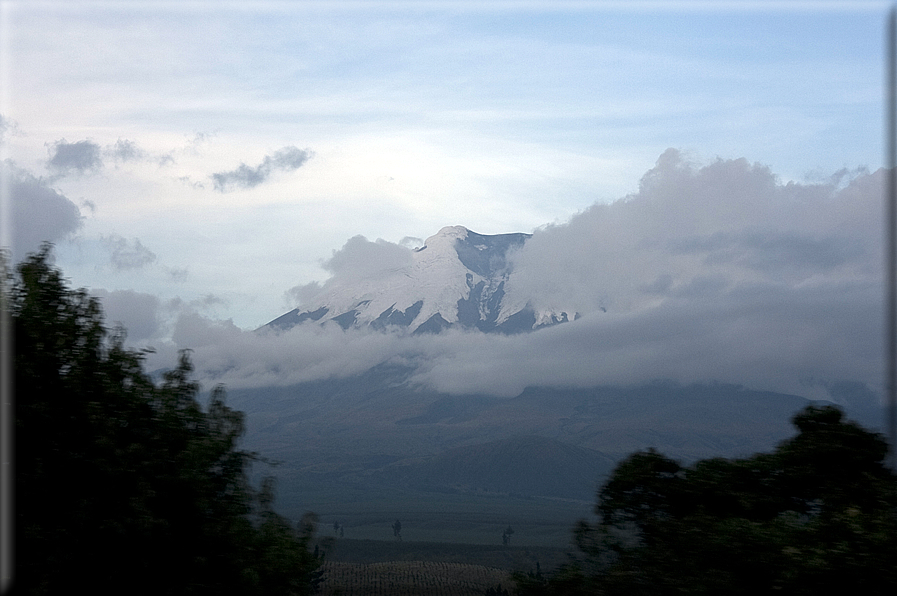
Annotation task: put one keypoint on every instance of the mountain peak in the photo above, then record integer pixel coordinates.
(453, 232)
(457, 278)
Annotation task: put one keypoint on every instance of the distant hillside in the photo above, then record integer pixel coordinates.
(370, 448)
(523, 465)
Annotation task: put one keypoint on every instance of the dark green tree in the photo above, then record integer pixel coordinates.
(816, 516)
(123, 485)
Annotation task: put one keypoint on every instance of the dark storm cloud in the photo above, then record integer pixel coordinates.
(283, 160)
(126, 254)
(80, 157)
(39, 213)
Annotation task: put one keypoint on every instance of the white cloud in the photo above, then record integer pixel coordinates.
(730, 221)
(360, 257)
(299, 295)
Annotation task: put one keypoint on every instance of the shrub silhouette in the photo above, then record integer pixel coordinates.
(815, 516)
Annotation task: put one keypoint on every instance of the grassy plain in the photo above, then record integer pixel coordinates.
(367, 513)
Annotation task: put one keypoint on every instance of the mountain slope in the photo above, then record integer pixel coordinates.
(374, 432)
(520, 464)
(456, 279)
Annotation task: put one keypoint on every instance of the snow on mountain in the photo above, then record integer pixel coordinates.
(457, 278)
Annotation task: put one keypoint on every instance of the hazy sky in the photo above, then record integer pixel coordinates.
(193, 162)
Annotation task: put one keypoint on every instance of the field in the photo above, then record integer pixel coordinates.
(508, 558)
(410, 578)
(368, 514)
(402, 567)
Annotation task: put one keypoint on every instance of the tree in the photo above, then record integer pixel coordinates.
(506, 536)
(815, 516)
(123, 485)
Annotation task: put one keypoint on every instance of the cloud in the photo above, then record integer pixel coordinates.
(729, 219)
(715, 272)
(137, 312)
(770, 252)
(81, 157)
(287, 159)
(225, 353)
(89, 205)
(127, 255)
(761, 337)
(411, 242)
(39, 213)
(8, 127)
(125, 150)
(191, 183)
(199, 139)
(208, 300)
(178, 274)
(360, 257)
(298, 295)
(86, 157)
(357, 259)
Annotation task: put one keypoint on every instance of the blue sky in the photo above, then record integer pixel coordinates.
(212, 156)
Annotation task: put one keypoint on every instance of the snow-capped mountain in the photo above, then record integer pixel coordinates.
(457, 278)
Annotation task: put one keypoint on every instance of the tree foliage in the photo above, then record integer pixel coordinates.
(124, 485)
(816, 516)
